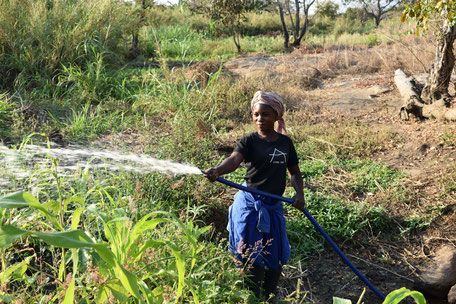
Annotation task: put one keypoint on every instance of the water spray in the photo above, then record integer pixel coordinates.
(314, 222)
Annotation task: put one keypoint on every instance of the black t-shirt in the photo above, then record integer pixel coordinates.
(267, 162)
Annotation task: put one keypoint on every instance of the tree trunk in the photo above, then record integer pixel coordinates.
(237, 40)
(297, 40)
(437, 86)
(286, 36)
(134, 50)
(298, 21)
(377, 20)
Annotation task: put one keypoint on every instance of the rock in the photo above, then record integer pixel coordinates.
(376, 90)
(440, 275)
(452, 295)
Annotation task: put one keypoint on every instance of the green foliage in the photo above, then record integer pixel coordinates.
(424, 11)
(341, 220)
(337, 300)
(449, 183)
(6, 114)
(261, 23)
(311, 169)
(37, 37)
(177, 42)
(153, 259)
(398, 295)
(372, 40)
(231, 14)
(369, 176)
(327, 9)
(394, 297)
(352, 22)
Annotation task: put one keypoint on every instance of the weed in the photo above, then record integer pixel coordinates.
(6, 113)
(369, 176)
(341, 220)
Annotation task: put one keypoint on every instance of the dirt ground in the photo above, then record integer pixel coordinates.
(367, 93)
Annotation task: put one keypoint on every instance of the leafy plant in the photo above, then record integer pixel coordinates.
(123, 248)
(6, 111)
(347, 220)
(393, 297)
(398, 295)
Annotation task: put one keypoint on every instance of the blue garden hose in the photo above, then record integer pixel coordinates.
(314, 222)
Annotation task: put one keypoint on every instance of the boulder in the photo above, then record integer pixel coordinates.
(452, 295)
(439, 277)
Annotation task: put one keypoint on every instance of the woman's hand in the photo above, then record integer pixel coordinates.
(230, 164)
(211, 174)
(299, 201)
(298, 184)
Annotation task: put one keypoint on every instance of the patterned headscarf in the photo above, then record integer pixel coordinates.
(275, 102)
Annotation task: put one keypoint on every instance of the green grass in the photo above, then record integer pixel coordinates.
(6, 115)
(341, 220)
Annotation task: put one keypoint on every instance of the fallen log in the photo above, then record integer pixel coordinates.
(413, 104)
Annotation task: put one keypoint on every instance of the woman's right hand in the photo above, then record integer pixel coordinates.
(211, 174)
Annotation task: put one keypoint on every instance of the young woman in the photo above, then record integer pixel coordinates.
(257, 232)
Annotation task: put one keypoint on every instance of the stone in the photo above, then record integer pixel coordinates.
(452, 295)
(439, 277)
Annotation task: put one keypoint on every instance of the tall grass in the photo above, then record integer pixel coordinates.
(6, 114)
(38, 37)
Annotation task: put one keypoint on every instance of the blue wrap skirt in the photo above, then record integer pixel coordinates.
(257, 230)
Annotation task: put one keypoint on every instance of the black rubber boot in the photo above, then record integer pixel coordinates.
(255, 276)
(271, 280)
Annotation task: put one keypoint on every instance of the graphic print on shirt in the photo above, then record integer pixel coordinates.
(278, 157)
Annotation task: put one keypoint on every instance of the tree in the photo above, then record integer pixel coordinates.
(230, 13)
(376, 9)
(285, 7)
(441, 15)
(327, 9)
(142, 6)
(356, 13)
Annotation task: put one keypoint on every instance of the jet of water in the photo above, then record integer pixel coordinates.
(18, 162)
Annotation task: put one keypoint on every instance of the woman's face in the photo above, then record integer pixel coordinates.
(264, 117)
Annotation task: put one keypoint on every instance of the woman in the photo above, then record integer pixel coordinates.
(257, 232)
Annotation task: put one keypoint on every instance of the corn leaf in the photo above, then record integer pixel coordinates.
(128, 280)
(69, 296)
(25, 199)
(398, 295)
(337, 300)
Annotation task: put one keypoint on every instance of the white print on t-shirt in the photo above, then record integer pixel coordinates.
(278, 157)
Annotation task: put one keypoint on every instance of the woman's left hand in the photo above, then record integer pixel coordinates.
(299, 201)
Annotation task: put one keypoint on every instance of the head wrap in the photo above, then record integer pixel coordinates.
(275, 102)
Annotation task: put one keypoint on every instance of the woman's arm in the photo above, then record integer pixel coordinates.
(298, 185)
(228, 165)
